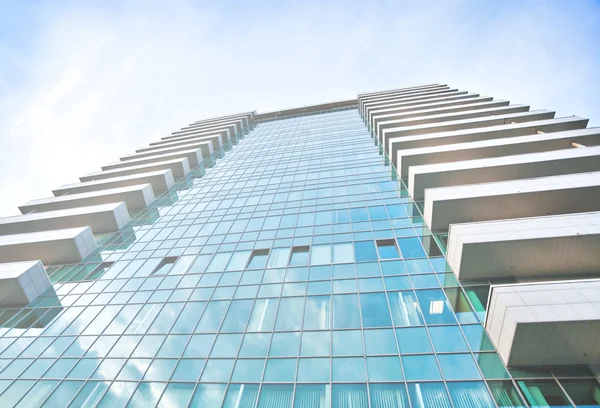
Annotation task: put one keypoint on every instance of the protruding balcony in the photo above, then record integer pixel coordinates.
(534, 197)
(194, 157)
(179, 167)
(161, 180)
(538, 247)
(22, 282)
(51, 247)
(546, 324)
(100, 218)
(135, 197)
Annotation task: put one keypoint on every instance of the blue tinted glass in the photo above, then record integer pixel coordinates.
(405, 309)
(312, 395)
(345, 312)
(176, 394)
(315, 344)
(470, 395)
(64, 392)
(188, 370)
(365, 251)
(411, 248)
(374, 310)
(435, 307)
(413, 340)
(280, 370)
(380, 341)
(342, 393)
(384, 368)
(348, 369)
(285, 344)
(421, 367)
(217, 370)
(255, 345)
(347, 343)
(388, 396)
(387, 249)
(248, 370)
(447, 338)
(241, 396)
(428, 394)
(274, 396)
(208, 395)
(313, 370)
(458, 367)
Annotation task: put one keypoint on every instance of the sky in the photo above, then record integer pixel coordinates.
(85, 82)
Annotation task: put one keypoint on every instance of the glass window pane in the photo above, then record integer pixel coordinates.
(365, 251)
(227, 345)
(279, 258)
(435, 307)
(208, 395)
(312, 395)
(388, 396)
(405, 309)
(285, 344)
(290, 314)
(505, 394)
(299, 256)
(38, 393)
(384, 368)
(176, 395)
(238, 261)
(117, 395)
(313, 370)
(320, 255)
(426, 395)
(263, 315)
(345, 311)
(374, 310)
(280, 370)
(421, 367)
(317, 313)
(237, 316)
(447, 339)
(90, 394)
(380, 341)
(258, 259)
(275, 396)
(387, 249)
(413, 340)
(348, 369)
(343, 253)
(341, 394)
(315, 344)
(218, 262)
(188, 370)
(248, 370)
(584, 393)
(212, 317)
(470, 395)
(411, 248)
(255, 345)
(543, 393)
(491, 366)
(458, 366)
(217, 370)
(241, 396)
(63, 393)
(347, 343)
(477, 337)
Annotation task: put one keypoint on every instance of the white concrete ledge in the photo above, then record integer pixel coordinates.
(51, 247)
(135, 197)
(546, 323)
(248, 116)
(398, 111)
(160, 180)
(538, 247)
(179, 167)
(391, 121)
(470, 130)
(226, 131)
(521, 166)
(215, 140)
(207, 146)
(364, 100)
(401, 127)
(365, 95)
(22, 282)
(425, 94)
(194, 157)
(100, 218)
(505, 146)
(392, 106)
(553, 195)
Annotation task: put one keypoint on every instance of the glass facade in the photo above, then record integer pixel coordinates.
(291, 270)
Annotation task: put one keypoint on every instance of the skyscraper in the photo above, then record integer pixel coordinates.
(420, 247)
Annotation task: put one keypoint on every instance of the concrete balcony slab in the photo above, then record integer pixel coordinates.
(161, 180)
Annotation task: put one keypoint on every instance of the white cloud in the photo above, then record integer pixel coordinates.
(99, 83)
